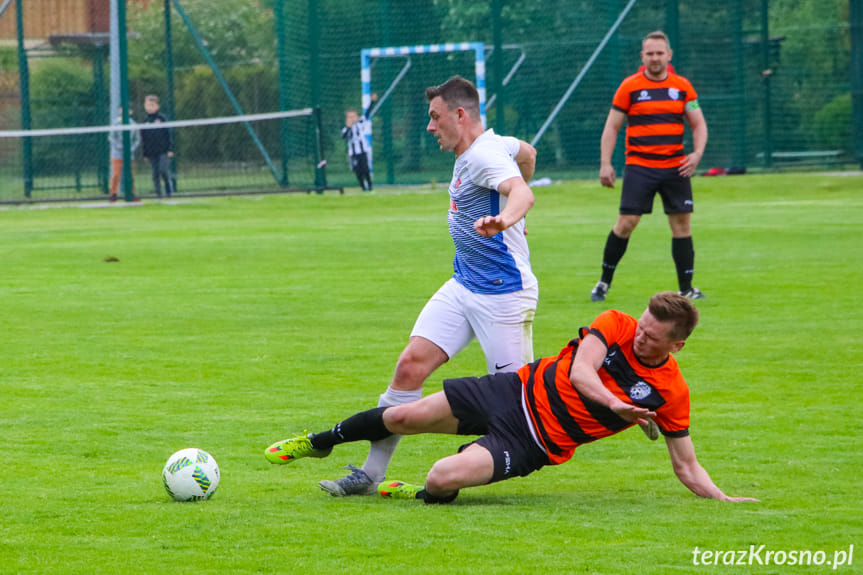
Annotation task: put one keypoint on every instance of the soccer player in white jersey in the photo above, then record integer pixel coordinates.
(493, 293)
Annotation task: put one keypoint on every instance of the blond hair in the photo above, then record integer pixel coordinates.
(657, 35)
(669, 306)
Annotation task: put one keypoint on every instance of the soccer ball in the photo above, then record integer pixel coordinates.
(191, 475)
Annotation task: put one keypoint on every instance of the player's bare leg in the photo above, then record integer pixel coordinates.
(418, 360)
(625, 225)
(473, 466)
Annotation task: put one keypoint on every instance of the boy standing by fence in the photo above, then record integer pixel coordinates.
(158, 146)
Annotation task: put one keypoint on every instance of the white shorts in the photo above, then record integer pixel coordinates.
(503, 324)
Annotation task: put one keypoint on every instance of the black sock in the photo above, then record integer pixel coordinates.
(684, 260)
(615, 247)
(368, 425)
(430, 499)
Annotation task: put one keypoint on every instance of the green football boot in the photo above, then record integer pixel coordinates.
(399, 490)
(287, 450)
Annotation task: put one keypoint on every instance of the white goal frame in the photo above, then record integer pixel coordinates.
(367, 54)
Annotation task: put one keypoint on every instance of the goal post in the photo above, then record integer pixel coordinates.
(368, 54)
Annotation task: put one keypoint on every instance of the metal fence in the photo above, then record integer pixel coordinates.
(779, 83)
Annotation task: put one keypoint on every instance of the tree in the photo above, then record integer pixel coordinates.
(234, 32)
(815, 57)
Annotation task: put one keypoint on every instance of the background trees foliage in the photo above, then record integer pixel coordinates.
(718, 47)
(815, 63)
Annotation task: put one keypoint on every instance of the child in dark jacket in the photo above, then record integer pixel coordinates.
(158, 146)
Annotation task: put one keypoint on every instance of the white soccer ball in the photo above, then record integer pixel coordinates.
(191, 475)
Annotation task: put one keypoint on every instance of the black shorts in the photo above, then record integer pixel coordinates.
(360, 163)
(491, 406)
(640, 185)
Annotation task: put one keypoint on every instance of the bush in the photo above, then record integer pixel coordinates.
(255, 89)
(61, 95)
(834, 127)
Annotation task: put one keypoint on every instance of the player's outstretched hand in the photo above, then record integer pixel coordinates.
(633, 413)
(488, 226)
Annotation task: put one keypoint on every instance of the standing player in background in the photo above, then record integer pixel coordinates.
(654, 102)
(355, 133)
(493, 293)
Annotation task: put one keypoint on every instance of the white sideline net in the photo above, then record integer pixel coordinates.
(253, 152)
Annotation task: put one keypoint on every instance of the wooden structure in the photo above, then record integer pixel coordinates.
(46, 18)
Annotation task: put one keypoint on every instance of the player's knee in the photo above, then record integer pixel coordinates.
(396, 418)
(680, 228)
(625, 226)
(402, 419)
(411, 370)
(444, 477)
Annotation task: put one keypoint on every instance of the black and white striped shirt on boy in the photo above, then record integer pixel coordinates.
(356, 137)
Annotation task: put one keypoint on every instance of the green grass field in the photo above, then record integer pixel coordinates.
(229, 323)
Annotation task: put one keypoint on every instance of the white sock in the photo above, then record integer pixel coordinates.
(381, 452)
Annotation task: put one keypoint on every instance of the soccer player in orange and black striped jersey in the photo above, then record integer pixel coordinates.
(619, 372)
(655, 101)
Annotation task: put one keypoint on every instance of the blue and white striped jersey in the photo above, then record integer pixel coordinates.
(499, 264)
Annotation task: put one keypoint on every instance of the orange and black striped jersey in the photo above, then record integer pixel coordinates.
(563, 418)
(654, 115)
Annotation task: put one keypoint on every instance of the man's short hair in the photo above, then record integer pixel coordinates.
(669, 306)
(151, 98)
(657, 35)
(457, 92)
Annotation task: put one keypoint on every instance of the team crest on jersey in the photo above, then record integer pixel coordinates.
(639, 391)
(673, 93)
(644, 95)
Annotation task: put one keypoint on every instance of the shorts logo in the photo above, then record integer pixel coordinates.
(687, 203)
(639, 391)
(673, 93)
(643, 96)
(507, 462)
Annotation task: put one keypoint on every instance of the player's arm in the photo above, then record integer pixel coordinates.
(519, 201)
(698, 124)
(526, 160)
(606, 146)
(584, 377)
(691, 474)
